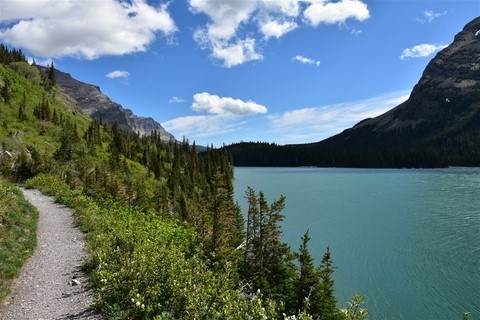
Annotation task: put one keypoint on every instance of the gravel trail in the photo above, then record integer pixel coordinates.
(51, 285)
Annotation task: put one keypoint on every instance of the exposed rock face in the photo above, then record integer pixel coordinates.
(446, 99)
(95, 104)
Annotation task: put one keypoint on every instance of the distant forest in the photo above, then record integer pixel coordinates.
(361, 148)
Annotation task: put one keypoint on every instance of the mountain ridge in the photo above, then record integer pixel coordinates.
(90, 99)
(450, 81)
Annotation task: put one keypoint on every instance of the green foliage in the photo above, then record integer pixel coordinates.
(49, 78)
(30, 72)
(268, 262)
(327, 304)
(164, 235)
(307, 283)
(18, 222)
(354, 310)
(143, 267)
(8, 56)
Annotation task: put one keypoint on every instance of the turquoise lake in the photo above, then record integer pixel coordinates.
(408, 240)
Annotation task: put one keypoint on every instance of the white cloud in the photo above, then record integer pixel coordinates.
(202, 126)
(226, 16)
(176, 100)
(321, 11)
(273, 28)
(214, 104)
(421, 50)
(236, 53)
(225, 115)
(429, 16)
(318, 123)
(288, 8)
(83, 29)
(118, 74)
(230, 34)
(305, 60)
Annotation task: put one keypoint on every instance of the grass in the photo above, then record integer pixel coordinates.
(18, 224)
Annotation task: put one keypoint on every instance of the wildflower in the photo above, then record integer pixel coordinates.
(137, 304)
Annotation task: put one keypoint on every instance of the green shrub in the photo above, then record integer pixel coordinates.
(18, 222)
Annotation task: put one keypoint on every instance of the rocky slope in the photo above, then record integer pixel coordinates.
(95, 104)
(445, 100)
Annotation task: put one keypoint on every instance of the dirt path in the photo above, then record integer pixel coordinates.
(51, 285)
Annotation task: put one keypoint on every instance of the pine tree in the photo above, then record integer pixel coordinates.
(307, 283)
(328, 303)
(49, 78)
(6, 93)
(22, 107)
(268, 261)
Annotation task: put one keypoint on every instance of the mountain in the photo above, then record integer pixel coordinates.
(95, 104)
(438, 126)
(445, 100)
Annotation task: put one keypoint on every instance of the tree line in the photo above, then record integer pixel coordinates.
(170, 181)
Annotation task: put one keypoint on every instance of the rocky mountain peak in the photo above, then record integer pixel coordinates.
(95, 104)
(446, 93)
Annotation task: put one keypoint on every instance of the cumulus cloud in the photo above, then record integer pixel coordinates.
(176, 100)
(233, 25)
(305, 60)
(118, 74)
(226, 16)
(317, 123)
(83, 29)
(288, 8)
(236, 53)
(273, 28)
(321, 11)
(224, 115)
(421, 51)
(214, 104)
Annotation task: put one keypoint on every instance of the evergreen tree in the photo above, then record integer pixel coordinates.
(49, 78)
(22, 108)
(268, 265)
(307, 283)
(67, 142)
(327, 307)
(6, 93)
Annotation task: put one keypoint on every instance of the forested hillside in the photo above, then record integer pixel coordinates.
(165, 238)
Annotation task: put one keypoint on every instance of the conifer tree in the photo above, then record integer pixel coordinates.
(269, 265)
(22, 107)
(49, 78)
(328, 303)
(307, 283)
(6, 93)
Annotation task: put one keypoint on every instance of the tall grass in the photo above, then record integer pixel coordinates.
(18, 224)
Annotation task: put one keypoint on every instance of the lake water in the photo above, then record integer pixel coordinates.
(408, 240)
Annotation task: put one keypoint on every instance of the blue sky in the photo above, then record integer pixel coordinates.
(223, 71)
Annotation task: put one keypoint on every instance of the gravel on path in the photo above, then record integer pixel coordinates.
(52, 285)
